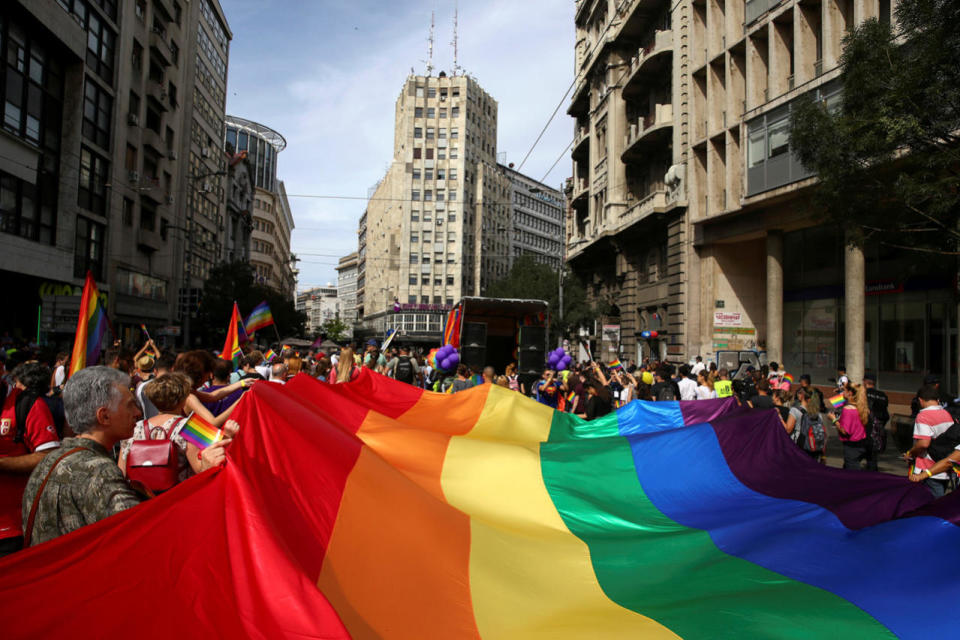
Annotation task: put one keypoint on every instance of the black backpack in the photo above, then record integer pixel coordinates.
(666, 392)
(809, 433)
(944, 444)
(404, 370)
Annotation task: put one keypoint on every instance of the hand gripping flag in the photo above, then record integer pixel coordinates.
(91, 325)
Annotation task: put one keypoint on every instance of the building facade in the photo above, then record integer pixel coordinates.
(320, 304)
(272, 218)
(95, 119)
(239, 218)
(347, 269)
(537, 219)
(709, 241)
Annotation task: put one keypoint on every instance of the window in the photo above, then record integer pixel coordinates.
(93, 172)
(443, 113)
(414, 237)
(455, 112)
(449, 280)
(427, 237)
(441, 153)
(424, 299)
(441, 174)
(415, 216)
(453, 173)
(440, 195)
(417, 153)
(779, 138)
(451, 236)
(416, 174)
(451, 258)
(417, 132)
(449, 301)
(454, 133)
(127, 212)
(426, 216)
(101, 42)
(430, 133)
(429, 154)
(419, 92)
(25, 209)
(428, 195)
(453, 153)
(428, 174)
(413, 278)
(415, 194)
(131, 162)
(97, 109)
(418, 112)
(88, 251)
(455, 92)
(141, 10)
(443, 94)
(414, 258)
(453, 196)
(443, 133)
(133, 105)
(436, 299)
(431, 92)
(431, 112)
(452, 216)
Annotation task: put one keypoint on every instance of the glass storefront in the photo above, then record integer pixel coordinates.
(910, 316)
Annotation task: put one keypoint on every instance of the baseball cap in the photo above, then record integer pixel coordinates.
(872, 377)
(931, 379)
(371, 342)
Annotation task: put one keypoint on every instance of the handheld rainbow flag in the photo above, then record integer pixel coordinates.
(199, 432)
(391, 334)
(231, 347)
(269, 355)
(91, 325)
(788, 378)
(616, 365)
(259, 318)
(837, 401)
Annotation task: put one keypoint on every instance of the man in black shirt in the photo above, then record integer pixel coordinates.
(878, 403)
(664, 388)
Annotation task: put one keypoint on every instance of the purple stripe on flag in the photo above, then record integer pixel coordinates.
(697, 411)
(762, 456)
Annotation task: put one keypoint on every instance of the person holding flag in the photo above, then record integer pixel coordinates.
(91, 326)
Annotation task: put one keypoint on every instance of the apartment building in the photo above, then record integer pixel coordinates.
(435, 225)
(94, 120)
(688, 208)
(272, 218)
(537, 219)
(347, 269)
(320, 304)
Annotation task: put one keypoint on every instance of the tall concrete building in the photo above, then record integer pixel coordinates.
(272, 221)
(435, 225)
(347, 290)
(688, 205)
(97, 120)
(320, 304)
(537, 219)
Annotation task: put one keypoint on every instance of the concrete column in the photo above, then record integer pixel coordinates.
(854, 294)
(775, 296)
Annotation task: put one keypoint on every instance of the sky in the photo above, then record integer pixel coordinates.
(326, 75)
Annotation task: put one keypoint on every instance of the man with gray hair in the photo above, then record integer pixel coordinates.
(278, 373)
(80, 483)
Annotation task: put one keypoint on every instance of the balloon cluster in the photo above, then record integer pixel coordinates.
(558, 359)
(649, 334)
(446, 358)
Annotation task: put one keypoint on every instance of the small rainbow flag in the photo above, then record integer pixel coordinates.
(571, 396)
(231, 346)
(259, 318)
(837, 401)
(788, 378)
(616, 364)
(199, 432)
(269, 355)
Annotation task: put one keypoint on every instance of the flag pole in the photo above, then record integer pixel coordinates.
(277, 331)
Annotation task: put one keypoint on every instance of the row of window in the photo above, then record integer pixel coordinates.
(206, 45)
(423, 326)
(427, 236)
(427, 279)
(441, 173)
(205, 78)
(262, 246)
(431, 112)
(440, 132)
(421, 153)
(432, 92)
(416, 258)
(79, 8)
(549, 208)
(539, 224)
(538, 242)
(428, 195)
(31, 87)
(211, 17)
(26, 210)
(428, 215)
(207, 111)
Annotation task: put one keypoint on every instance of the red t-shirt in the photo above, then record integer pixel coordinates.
(40, 435)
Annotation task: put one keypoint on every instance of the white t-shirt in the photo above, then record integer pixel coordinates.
(705, 393)
(688, 389)
(697, 368)
(59, 375)
(931, 423)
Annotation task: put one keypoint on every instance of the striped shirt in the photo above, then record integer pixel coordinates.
(931, 422)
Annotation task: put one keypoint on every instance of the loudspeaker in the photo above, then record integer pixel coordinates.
(532, 338)
(474, 334)
(474, 356)
(531, 361)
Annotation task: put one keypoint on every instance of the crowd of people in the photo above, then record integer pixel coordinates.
(76, 449)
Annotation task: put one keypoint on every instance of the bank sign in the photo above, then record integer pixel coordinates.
(727, 319)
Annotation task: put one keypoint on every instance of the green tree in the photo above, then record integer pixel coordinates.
(531, 279)
(335, 329)
(234, 281)
(887, 155)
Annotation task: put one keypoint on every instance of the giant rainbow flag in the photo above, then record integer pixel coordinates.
(374, 509)
(91, 325)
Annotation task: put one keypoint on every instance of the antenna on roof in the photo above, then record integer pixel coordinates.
(430, 49)
(456, 64)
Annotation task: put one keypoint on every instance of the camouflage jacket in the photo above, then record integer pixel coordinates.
(87, 486)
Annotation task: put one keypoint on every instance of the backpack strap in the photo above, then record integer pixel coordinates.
(28, 533)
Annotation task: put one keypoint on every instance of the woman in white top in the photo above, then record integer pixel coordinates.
(705, 390)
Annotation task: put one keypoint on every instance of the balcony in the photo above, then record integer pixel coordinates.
(580, 188)
(653, 202)
(153, 140)
(649, 131)
(157, 91)
(580, 137)
(159, 47)
(652, 59)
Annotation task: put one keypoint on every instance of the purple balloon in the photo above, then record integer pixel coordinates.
(455, 357)
(445, 364)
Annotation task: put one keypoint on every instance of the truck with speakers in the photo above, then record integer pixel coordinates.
(497, 331)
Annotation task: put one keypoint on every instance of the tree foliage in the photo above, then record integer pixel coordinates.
(335, 329)
(234, 281)
(887, 158)
(533, 280)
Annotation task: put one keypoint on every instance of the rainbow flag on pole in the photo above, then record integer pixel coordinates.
(231, 347)
(199, 432)
(91, 325)
(259, 318)
(616, 365)
(451, 329)
(269, 355)
(788, 378)
(837, 401)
